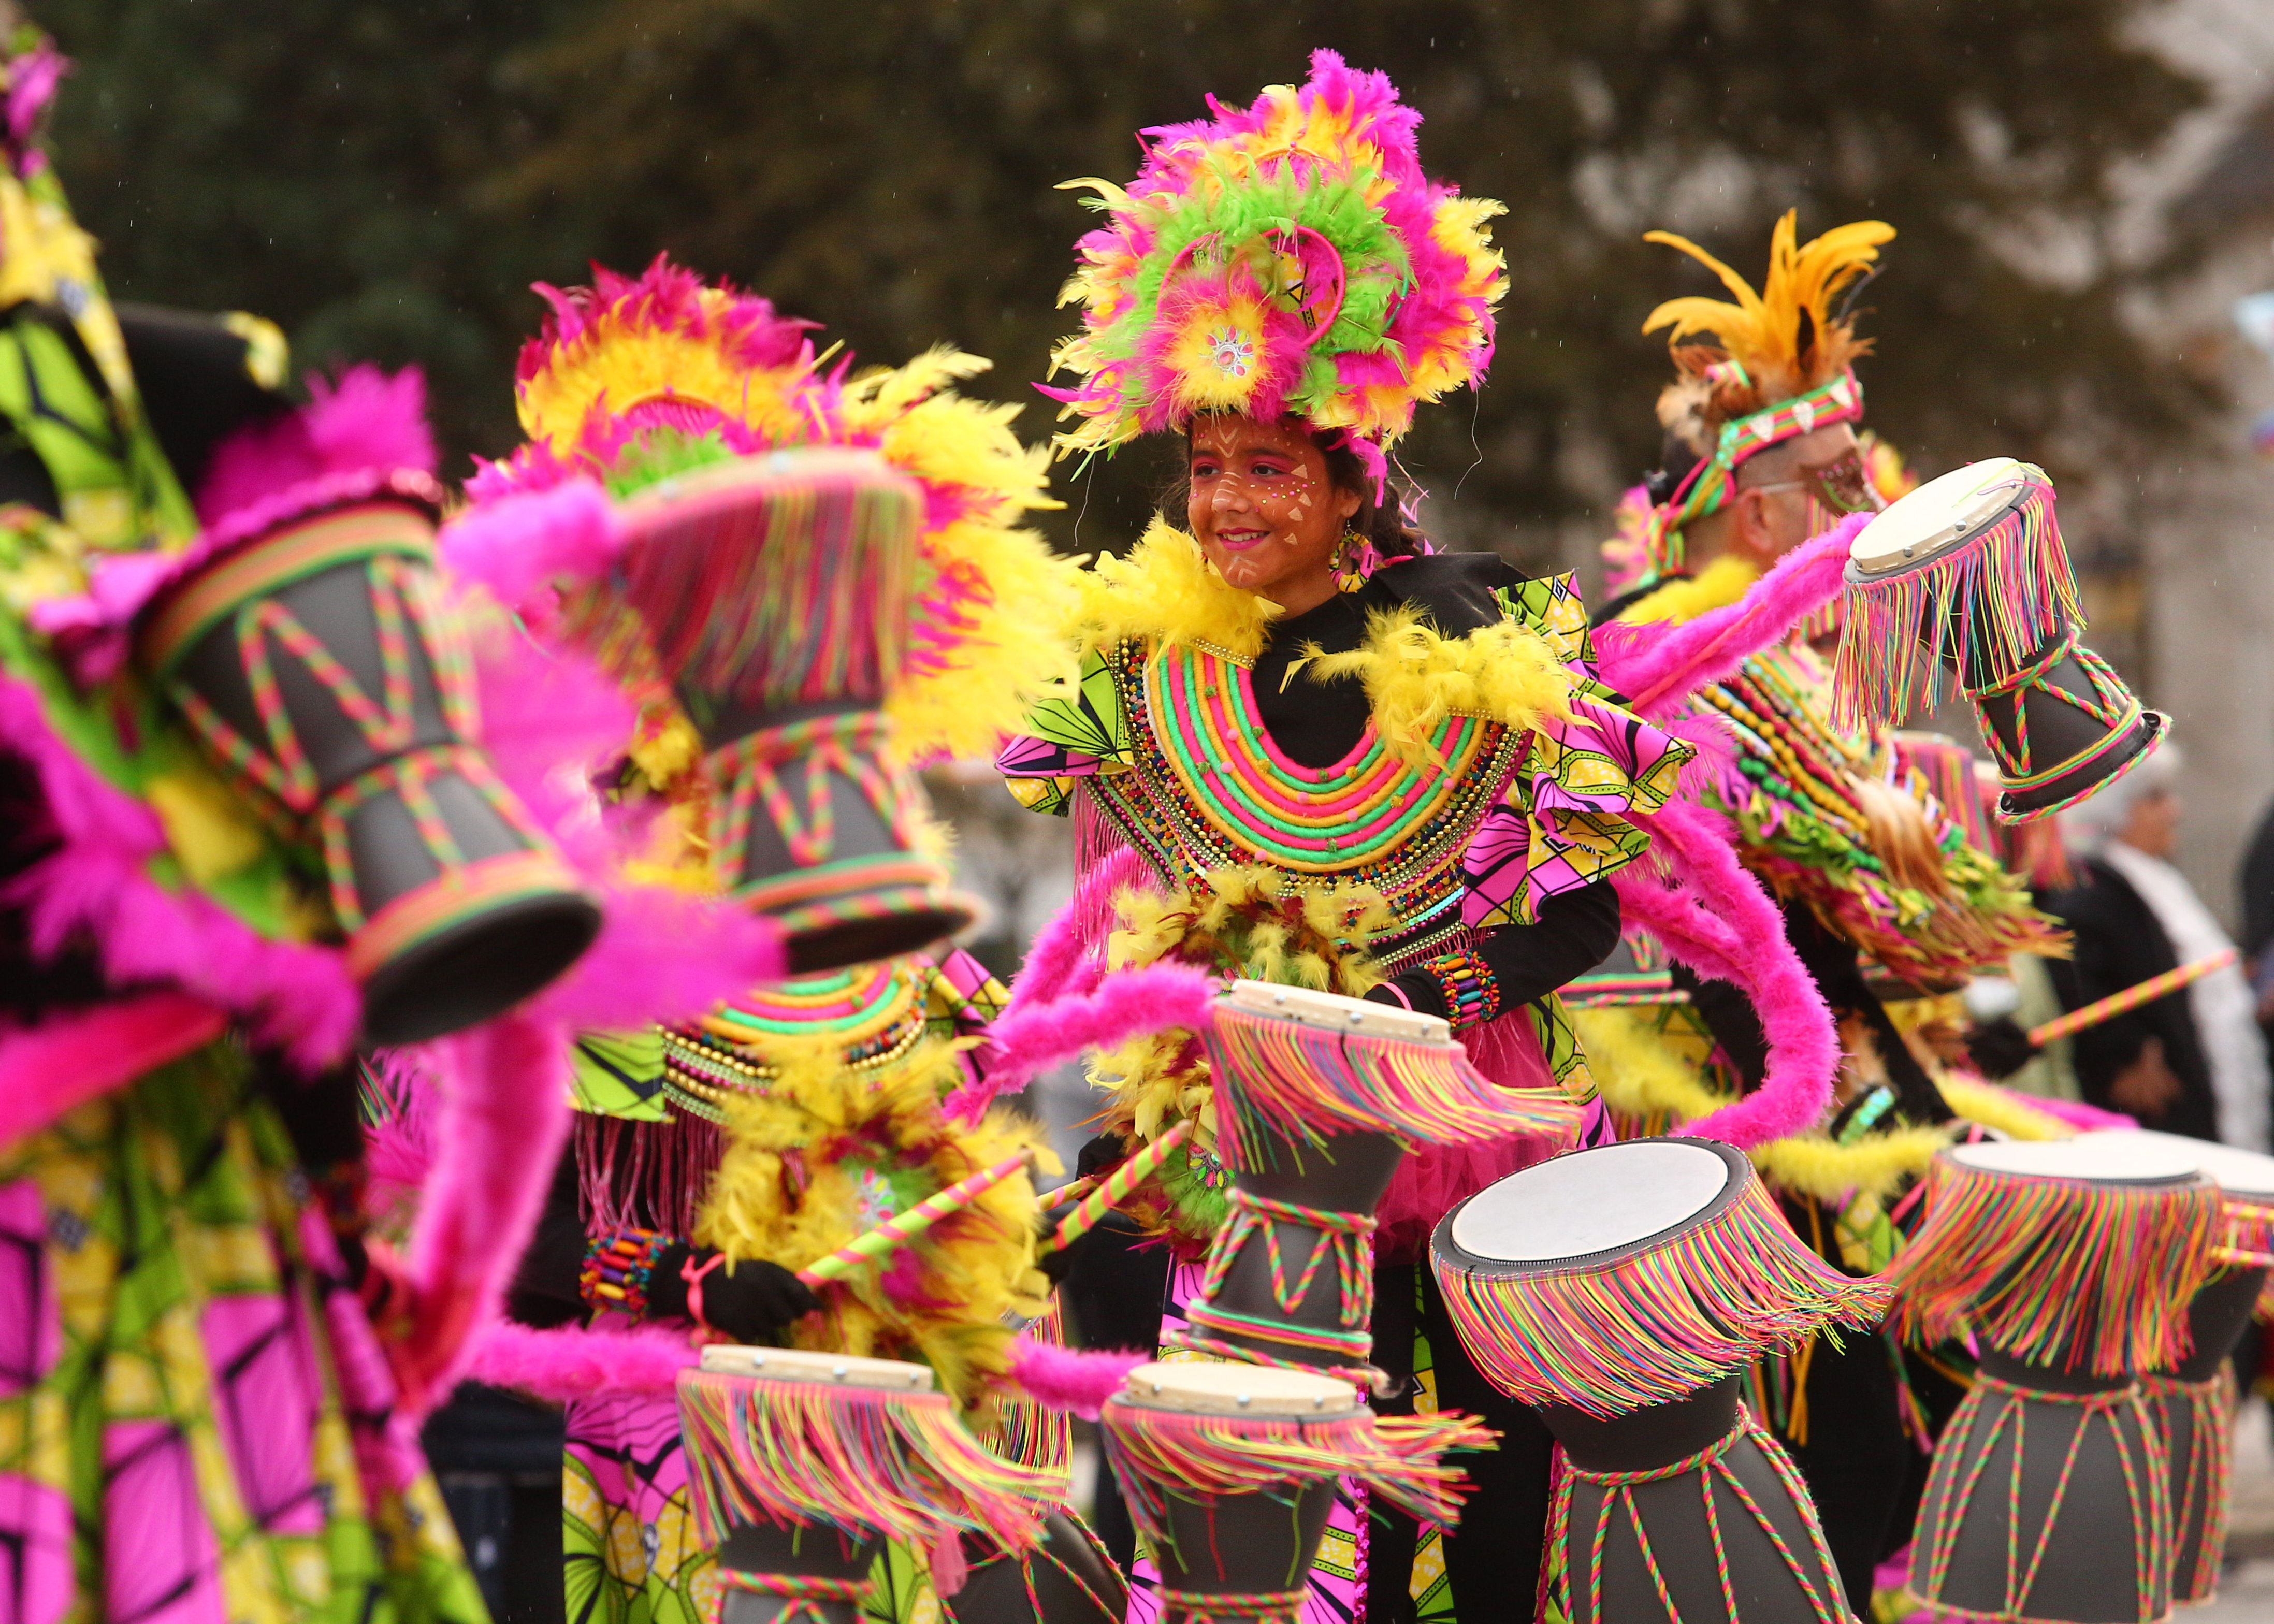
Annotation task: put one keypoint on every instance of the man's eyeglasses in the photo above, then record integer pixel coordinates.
(1844, 486)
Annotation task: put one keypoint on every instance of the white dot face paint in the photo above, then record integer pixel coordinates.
(1262, 507)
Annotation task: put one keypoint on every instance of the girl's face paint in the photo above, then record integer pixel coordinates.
(1265, 510)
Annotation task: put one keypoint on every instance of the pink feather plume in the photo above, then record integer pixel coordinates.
(1066, 1379)
(366, 421)
(516, 546)
(1657, 666)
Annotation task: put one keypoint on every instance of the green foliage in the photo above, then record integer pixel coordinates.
(384, 177)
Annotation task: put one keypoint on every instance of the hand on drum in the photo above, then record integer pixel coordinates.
(750, 1301)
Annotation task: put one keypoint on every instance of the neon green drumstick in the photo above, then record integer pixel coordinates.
(1118, 1184)
(894, 1233)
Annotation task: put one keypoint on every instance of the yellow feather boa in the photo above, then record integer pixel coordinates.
(826, 1152)
(1166, 590)
(1415, 678)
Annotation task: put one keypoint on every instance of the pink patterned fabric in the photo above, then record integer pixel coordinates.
(31, 1318)
(1564, 823)
(266, 1396)
(35, 1553)
(161, 1563)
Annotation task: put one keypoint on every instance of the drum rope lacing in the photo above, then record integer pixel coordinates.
(2152, 1535)
(1233, 1607)
(1343, 1235)
(2206, 1489)
(803, 1591)
(1825, 1598)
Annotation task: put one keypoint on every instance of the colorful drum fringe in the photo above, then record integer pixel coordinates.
(1990, 603)
(1658, 1326)
(1963, 1498)
(897, 1465)
(1325, 1082)
(2059, 1272)
(1812, 1569)
(1158, 1453)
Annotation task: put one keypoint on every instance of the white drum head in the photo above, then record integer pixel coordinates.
(797, 1365)
(2095, 1159)
(1335, 1012)
(2238, 1172)
(1589, 1201)
(1208, 1388)
(1939, 515)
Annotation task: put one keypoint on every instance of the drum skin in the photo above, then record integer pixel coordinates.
(2103, 1559)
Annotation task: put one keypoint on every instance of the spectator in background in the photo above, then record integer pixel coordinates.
(2193, 1061)
(2258, 918)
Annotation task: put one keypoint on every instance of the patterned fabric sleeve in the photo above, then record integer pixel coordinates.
(1075, 735)
(1565, 820)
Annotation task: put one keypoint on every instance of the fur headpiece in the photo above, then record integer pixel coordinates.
(1288, 257)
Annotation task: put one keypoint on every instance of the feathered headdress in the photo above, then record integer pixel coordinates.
(1752, 374)
(1286, 258)
(634, 378)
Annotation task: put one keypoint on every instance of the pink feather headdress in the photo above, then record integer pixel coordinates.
(1286, 258)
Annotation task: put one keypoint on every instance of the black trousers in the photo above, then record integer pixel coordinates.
(1492, 1559)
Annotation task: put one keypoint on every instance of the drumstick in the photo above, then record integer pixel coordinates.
(2131, 998)
(895, 1233)
(1116, 1184)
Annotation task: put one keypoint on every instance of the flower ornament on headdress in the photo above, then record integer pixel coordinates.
(1288, 258)
(1769, 367)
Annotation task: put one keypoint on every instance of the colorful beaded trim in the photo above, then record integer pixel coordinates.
(1470, 989)
(873, 1012)
(617, 1269)
(1208, 790)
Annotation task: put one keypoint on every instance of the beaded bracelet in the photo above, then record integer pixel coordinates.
(1472, 991)
(616, 1269)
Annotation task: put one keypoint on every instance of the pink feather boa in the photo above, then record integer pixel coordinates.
(1066, 1378)
(1124, 1005)
(559, 1365)
(504, 1119)
(96, 886)
(1657, 666)
(75, 1055)
(1720, 922)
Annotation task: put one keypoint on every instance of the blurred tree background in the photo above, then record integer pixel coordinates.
(386, 176)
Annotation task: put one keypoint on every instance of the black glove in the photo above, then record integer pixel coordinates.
(1999, 1047)
(750, 1301)
(1102, 1154)
(1057, 1265)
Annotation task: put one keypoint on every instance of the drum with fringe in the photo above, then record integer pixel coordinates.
(1318, 1097)
(1623, 1291)
(319, 668)
(1968, 574)
(2072, 1264)
(800, 1465)
(2192, 1401)
(1229, 1471)
(771, 593)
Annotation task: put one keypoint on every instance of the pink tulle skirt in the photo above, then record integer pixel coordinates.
(1432, 1177)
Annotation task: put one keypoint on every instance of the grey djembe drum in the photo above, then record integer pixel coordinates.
(1622, 1291)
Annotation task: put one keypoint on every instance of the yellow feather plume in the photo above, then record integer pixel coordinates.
(1415, 677)
(1785, 335)
(804, 1165)
(1989, 1106)
(1720, 583)
(1166, 590)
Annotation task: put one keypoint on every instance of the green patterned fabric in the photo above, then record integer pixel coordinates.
(194, 1414)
